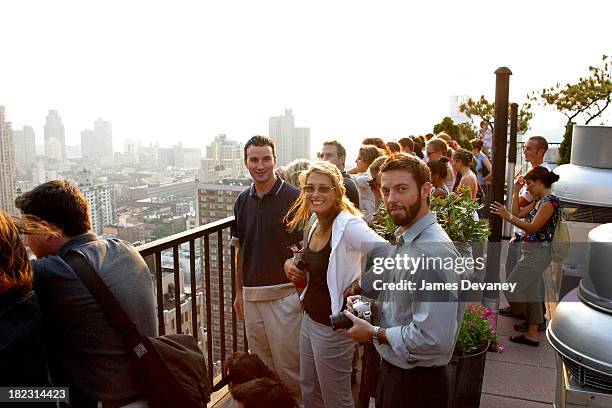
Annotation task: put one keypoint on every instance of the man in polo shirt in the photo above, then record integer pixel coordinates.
(335, 153)
(265, 298)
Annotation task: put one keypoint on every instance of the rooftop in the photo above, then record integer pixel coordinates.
(521, 376)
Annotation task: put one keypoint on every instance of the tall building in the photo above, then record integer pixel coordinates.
(223, 148)
(215, 201)
(301, 143)
(25, 147)
(150, 155)
(97, 143)
(456, 115)
(190, 158)
(223, 160)
(291, 143)
(101, 201)
(55, 137)
(7, 166)
(88, 144)
(131, 146)
(104, 137)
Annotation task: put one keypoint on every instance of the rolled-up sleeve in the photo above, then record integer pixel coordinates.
(430, 333)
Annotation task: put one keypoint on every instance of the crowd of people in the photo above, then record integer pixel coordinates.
(302, 239)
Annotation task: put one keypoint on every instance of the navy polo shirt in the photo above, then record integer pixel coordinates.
(263, 238)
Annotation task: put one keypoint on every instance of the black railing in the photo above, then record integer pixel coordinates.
(152, 252)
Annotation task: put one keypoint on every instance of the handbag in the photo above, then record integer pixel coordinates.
(561, 239)
(171, 368)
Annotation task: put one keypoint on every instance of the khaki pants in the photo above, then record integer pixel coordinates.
(273, 333)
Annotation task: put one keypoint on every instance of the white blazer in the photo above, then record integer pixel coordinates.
(351, 240)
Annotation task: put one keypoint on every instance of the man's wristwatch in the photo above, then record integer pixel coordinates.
(376, 333)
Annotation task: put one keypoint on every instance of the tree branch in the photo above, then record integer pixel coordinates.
(599, 112)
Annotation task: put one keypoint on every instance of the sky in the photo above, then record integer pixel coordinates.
(188, 70)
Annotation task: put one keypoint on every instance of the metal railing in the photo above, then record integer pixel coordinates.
(172, 243)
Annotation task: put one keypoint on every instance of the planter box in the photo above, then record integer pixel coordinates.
(465, 379)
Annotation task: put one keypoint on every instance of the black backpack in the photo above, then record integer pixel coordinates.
(171, 368)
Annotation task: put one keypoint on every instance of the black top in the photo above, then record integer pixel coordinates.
(351, 188)
(22, 355)
(260, 229)
(317, 301)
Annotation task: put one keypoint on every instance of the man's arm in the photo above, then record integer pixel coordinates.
(431, 332)
(238, 304)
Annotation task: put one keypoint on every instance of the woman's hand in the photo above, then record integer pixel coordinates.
(292, 272)
(498, 209)
(519, 183)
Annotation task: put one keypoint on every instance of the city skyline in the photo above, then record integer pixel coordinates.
(190, 72)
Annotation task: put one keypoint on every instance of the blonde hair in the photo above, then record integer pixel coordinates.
(298, 215)
(293, 170)
(369, 153)
(376, 165)
(444, 136)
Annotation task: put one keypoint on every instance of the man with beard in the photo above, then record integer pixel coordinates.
(414, 331)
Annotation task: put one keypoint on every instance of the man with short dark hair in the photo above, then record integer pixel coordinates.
(265, 298)
(334, 152)
(407, 145)
(417, 331)
(84, 351)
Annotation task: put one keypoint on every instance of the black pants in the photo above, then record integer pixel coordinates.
(423, 387)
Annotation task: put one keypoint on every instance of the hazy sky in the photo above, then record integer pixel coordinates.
(188, 70)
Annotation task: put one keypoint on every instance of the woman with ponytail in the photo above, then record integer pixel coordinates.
(439, 171)
(462, 161)
(540, 221)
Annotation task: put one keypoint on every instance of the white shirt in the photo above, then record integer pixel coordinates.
(367, 200)
(351, 241)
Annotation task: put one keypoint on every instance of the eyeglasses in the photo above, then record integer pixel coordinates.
(309, 189)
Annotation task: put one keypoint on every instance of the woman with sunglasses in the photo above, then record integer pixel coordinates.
(334, 249)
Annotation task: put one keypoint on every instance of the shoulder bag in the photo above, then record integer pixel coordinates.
(172, 368)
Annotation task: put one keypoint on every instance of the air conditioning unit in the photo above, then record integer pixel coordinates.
(585, 191)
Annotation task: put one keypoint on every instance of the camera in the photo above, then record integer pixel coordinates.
(361, 309)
